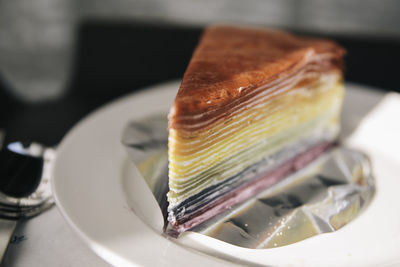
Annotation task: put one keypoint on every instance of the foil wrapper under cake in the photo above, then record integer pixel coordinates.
(322, 197)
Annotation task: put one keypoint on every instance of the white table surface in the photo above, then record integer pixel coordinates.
(47, 240)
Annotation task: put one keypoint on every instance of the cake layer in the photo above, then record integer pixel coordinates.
(319, 129)
(207, 165)
(262, 105)
(218, 198)
(270, 113)
(294, 145)
(189, 125)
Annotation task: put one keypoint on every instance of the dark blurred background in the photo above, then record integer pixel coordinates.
(61, 59)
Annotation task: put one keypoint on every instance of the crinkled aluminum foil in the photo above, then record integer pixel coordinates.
(321, 198)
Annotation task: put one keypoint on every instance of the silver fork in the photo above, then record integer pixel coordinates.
(14, 208)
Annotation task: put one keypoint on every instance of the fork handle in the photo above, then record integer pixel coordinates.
(7, 228)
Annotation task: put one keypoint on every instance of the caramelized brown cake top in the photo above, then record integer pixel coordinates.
(231, 61)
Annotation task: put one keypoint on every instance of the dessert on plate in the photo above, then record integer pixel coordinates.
(254, 106)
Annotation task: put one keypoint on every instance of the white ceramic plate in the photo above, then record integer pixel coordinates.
(101, 194)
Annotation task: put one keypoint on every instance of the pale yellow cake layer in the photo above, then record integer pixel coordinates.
(260, 114)
(260, 107)
(311, 130)
(297, 108)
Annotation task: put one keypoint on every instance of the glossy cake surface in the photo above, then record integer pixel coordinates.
(252, 102)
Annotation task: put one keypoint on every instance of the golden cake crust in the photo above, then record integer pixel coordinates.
(230, 62)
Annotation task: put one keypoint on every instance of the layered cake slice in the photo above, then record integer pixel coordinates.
(254, 106)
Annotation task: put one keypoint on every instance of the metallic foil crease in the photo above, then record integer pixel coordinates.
(322, 197)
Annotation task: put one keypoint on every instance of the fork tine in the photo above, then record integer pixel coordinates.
(26, 212)
(23, 202)
(17, 208)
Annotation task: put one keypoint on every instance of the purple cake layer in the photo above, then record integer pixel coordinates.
(249, 189)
